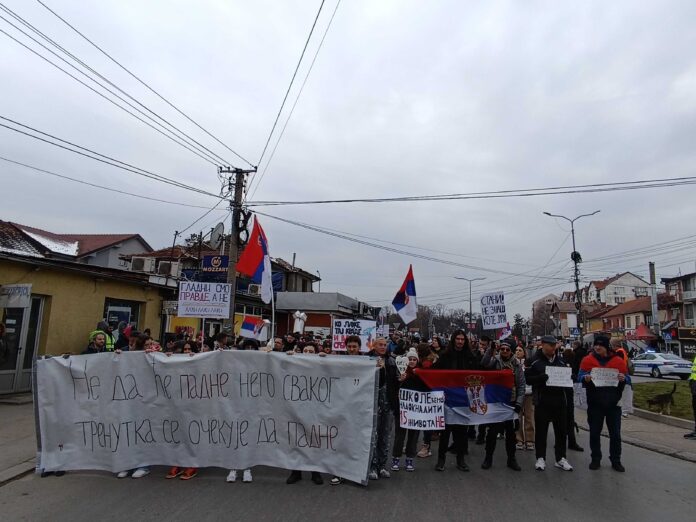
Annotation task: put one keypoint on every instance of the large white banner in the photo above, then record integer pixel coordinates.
(342, 328)
(493, 312)
(229, 409)
(204, 300)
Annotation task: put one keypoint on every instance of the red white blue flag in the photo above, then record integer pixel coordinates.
(473, 397)
(255, 262)
(251, 327)
(405, 299)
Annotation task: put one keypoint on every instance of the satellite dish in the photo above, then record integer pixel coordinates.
(216, 235)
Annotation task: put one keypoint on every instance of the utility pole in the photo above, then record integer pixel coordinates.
(235, 182)
(653, 301)
(471, 317)
(577, 259)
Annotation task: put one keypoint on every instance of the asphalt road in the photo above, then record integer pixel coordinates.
(655, 487)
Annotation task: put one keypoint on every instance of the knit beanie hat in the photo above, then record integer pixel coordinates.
(412, 353)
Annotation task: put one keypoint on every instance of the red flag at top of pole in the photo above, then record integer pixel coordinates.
(255, 261)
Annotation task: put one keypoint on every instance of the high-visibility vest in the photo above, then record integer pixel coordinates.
(693, 371)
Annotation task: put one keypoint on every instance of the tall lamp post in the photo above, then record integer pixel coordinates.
(577, 259)
(470, 281)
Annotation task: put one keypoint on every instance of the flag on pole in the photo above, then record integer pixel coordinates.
(251, 327)
(255, 262)
(405, 299)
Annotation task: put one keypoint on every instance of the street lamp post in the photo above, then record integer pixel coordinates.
(577, 259)
(470, 281)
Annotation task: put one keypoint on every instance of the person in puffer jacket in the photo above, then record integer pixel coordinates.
(505, 360)
(602, 401)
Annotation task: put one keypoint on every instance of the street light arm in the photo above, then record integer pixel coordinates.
(586, 215)
(557, 216)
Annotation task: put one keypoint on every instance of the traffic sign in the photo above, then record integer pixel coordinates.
(667, 336)
(575, 332)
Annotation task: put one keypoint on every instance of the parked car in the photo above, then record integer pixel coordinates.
(661, 364)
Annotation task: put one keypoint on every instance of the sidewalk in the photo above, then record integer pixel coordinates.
(651, 435)
(17, 441)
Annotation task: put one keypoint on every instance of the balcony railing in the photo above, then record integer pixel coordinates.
(689, 295)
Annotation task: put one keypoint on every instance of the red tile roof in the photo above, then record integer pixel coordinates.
(87, 243)
(630, 307)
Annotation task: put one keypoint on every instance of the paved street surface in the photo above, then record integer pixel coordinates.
(656, 487)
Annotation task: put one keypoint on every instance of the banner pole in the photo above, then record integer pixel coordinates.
(272, 316)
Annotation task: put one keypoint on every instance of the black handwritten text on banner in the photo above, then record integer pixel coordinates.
(231, 409)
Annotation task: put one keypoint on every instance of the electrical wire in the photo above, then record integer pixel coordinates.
(200, 218)
(110, 189)
(291, 82)
(133, 75)
(98, 157)
(292, 110)
(389, 249)
(170, 137)
(181, 134)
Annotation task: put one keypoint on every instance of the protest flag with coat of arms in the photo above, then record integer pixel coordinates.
(405, 299)
(251, 327)
(473, 397)
(255, 262)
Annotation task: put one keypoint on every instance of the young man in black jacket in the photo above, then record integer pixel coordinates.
(549, 405)
(387, 404)
(458, 356)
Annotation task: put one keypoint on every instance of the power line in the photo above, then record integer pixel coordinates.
(98, 157)
(181, 134)
(547, 191)
(110, 189)
(133, 75)
(292, 110)
(389, 249)
(200, 218)
(172, 137)
(291, 82)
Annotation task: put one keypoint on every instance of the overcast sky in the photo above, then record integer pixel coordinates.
(405, 98)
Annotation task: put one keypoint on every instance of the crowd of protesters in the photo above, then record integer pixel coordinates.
(537, 404)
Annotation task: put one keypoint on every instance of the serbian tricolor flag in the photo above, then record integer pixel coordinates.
(405, 299)
(251, 327)
(473, 397)
(255, 262)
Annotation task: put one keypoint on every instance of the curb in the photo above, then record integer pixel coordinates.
(657, 448)
(664, 419)
(17, 471)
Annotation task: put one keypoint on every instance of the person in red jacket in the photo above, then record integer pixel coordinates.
(602, 401)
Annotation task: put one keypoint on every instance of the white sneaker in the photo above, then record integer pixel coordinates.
(540, 464)
(247, 476)
(232, 476)
(564, 465)
(122, 474)
(141, 472)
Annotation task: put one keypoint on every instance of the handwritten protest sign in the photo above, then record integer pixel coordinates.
(401, 363)
(559, 376)
(204, 300)
(231, 409)
(421, 410)
(493, 312)
(342, 328)
(602, 377)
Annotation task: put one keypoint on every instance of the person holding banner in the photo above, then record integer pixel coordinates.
(407, 381)
(549, 404)
(458, 356)
(525, 433)
(387, 404)
(603, 398)
(505, 361)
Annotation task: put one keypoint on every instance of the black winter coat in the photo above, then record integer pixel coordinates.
(536, 376)
(458, 360)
